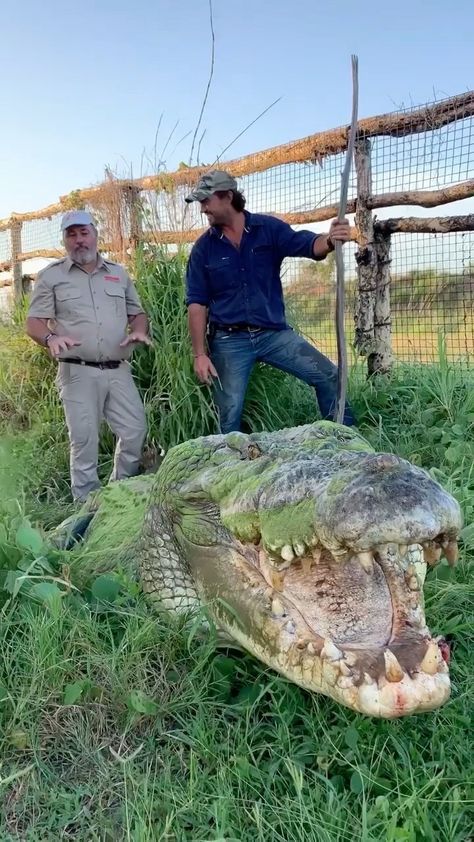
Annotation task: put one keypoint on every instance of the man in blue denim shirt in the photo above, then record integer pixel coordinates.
(235, 297)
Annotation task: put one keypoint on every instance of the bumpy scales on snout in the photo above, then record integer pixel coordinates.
(308, 549)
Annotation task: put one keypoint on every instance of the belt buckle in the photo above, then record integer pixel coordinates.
(101, 366)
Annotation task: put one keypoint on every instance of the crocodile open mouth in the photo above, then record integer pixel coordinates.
(355, 621)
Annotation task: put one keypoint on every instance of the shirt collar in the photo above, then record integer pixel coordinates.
(251, 220)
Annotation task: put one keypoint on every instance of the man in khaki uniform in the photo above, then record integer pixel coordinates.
(86, 311)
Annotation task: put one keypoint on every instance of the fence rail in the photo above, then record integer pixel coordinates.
(419, 157)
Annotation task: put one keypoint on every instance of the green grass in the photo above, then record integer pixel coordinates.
(116, 723)
(422, 302)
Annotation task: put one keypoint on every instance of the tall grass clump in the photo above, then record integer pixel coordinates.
(33, 439)
(178, 406)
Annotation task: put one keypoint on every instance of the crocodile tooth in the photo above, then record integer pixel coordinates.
(277, 607)
(393, 670)
(330, 651)
(403, 549)
(272, 576)
(368, 678)
(367, 561)
(411, 570)
(277, 578)
(306, 564)
(311, 649)
(413, 583)
(329, 673)
(451, 552)
(262, 558)
(344, 669)
(287, 553)
(316, 555)
(299, 548)
(369, 698)
(431, 659)
(431, 553)
(344, 682)
(351, 658)
(290, 627)
(383, 550)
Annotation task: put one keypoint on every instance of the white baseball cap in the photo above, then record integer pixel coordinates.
(76, 217)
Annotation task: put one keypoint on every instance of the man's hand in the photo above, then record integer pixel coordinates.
(136, 336)
(326, 243)
(56, 344)
(339, 231)
(203, 369)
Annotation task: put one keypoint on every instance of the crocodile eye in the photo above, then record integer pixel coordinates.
(253, 451)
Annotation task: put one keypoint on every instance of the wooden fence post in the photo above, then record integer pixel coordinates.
(16, 264)
(132, 198)
(366, 256)
(373, 324)
(128, 221)
(380, 358)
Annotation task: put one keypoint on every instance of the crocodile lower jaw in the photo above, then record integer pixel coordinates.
(355, 630)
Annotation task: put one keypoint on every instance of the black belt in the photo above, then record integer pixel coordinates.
(237, 327)
(105, 364)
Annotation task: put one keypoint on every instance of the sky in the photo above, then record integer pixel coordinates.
(98, 83)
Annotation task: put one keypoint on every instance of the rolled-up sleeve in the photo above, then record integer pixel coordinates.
(291, 243)
(42, 303)
(132, 300)
(197, 287)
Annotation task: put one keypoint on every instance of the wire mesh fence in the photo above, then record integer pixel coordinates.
(419, 158)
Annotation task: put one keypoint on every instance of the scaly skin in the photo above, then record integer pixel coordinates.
(309, 550)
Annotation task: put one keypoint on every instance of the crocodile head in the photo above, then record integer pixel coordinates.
(309, 550)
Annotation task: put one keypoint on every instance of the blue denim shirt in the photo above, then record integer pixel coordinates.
(244, 285)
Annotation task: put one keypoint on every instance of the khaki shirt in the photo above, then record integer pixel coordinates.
(92, 308)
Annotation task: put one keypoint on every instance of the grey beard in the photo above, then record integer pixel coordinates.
(82, 256)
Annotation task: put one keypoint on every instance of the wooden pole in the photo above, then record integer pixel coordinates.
(380, 359)
(132, 196)
(425, 225)
(340, 335)
(16, 264)
(366, 256)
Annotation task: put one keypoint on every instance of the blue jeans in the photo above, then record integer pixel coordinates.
(235, 354)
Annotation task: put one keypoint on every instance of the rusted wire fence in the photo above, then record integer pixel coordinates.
(409, 272)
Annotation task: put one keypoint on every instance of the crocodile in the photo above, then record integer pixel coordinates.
(307, 548)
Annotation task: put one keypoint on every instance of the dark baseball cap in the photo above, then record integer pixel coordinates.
(210, 183)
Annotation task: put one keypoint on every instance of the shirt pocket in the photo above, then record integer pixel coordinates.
(67, 301)
(223, 275)
(116, 296)
(263, 262)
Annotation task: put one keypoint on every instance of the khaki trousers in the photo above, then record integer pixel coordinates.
(90, 395)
